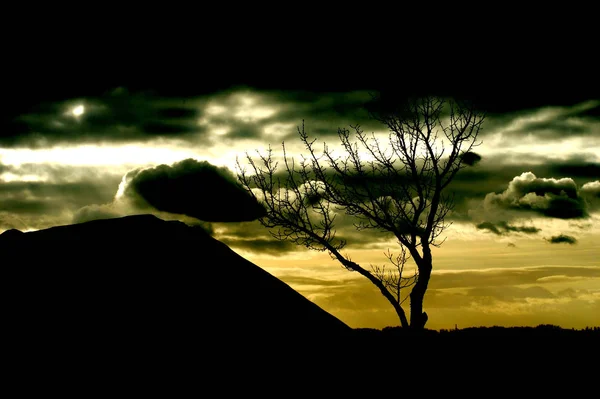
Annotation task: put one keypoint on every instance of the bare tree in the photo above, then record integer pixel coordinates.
(398, 188)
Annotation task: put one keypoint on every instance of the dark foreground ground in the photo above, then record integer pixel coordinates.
(139, 305)
(479, 362)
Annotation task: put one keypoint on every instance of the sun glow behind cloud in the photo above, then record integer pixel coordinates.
(78, 110)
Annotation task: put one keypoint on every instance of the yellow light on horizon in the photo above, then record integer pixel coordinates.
(97, 155)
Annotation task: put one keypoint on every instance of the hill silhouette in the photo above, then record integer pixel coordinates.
(138, 284)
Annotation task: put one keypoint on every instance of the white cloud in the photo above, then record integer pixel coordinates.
(592, 187)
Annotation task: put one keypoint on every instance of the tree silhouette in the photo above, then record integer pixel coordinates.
(398, 188)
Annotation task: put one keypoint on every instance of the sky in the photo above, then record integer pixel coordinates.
(522, 248)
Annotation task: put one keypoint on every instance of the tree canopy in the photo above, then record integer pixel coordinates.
(397, 184)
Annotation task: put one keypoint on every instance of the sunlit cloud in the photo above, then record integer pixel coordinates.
(98, 155)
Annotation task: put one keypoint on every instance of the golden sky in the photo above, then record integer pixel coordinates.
(516, 253)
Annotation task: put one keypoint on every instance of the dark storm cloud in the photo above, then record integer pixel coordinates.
(123, 116)
(193, 188)
(546, 122)
(558, 198)
(159, 128)
(249, 113)
(177, 113)
(117, 116)
(562, 239)
(325, 112)
(502, 228)
(471, 158)
(576, 169)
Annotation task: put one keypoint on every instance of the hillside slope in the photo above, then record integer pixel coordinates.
(147, 280)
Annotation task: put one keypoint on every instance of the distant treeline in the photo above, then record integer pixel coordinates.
(493, 337)
(540, 330)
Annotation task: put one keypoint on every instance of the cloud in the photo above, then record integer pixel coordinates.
(273, 116)
(122, 116)
(95, 212)
(34, 196)
(468, 297)
(252, 237)
(551, 197)
(576, 168)
(10, 221)
(510, 293)
(562, 238)
(117, 116)
(547, 123)
(482, 294)
(192, 188)
(50, 197)
(471, 158)
(560, 278)
(501, 284)
(502, 228)
(508, 276)
(592, 189)
(591, 192)
(268, 246)
(312, 281)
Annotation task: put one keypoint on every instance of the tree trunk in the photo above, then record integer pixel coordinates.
(418, 318)
(401, 315)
